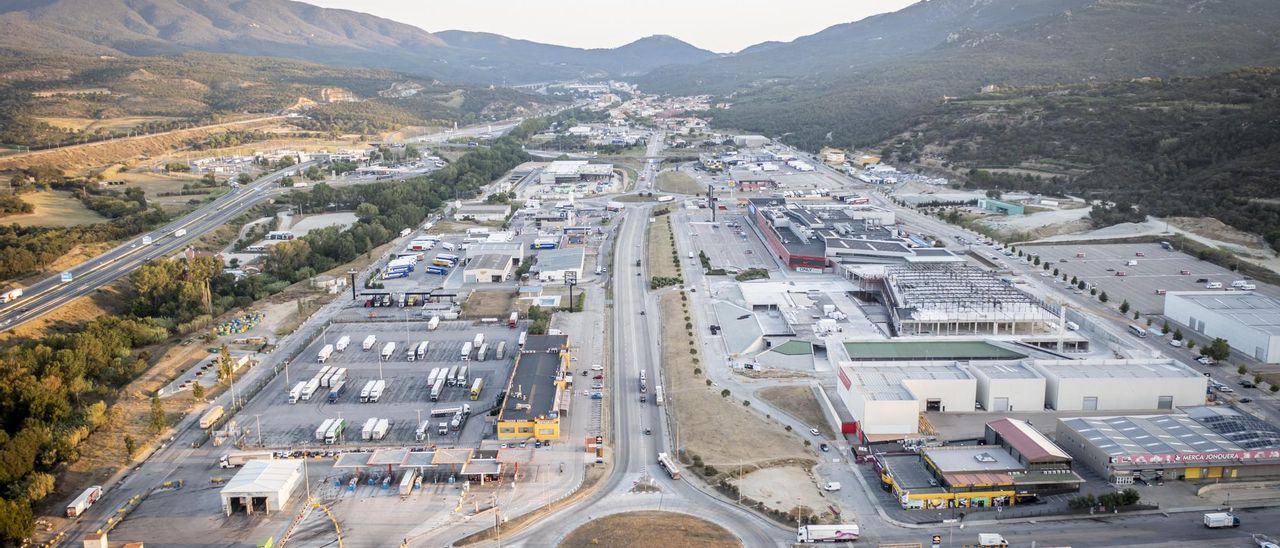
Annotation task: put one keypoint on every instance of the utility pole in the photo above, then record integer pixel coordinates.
(258, 421)
(351, 272)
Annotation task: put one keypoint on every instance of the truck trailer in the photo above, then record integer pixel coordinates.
(324, 354)
(433, 323)
(437, 389)
(1214, 520)
(375, 393)
(369, 342)
(501, 352)
(334, 435)
(466, 352)
(84, 500)
(295, 393)
(239, 458)
(211, 417)
(366, 432)
(336, 390)
(310, 389)
(323, 430)
(388, 350)
(342, 343)
(844, 532)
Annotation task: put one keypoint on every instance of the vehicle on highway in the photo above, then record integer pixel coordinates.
(824, 447)
(597, 367)
(814, 431)
(831, 486)
(1214, 520)
(1245, 399)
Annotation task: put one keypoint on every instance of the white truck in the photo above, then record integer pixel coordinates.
(482, 352)
(423, 430)
(450, 411)
(435, 374)
(421, 351)
(239, 458)
(443, 429)
(991, 540)
(323, 430)
(466, 352)
(1215, 520)
(478, 340)
(451, 378)
(295, 393)
(11, 295)
(364, 391)
(501, 352)
(83, 501)
(324, 354)
(310, 389)
(334, 435)
(381, 428)
(843, 532)
(369, 342)
(434, 323)
(462, 379)
(379, 386)
(436, 389)
(179, 233)
(366, 432)
(388, 350)
(342, 343)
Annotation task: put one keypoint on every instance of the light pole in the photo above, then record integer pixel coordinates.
(257, 418)
(571, 279)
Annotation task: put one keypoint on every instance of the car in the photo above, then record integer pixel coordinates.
(1202, 280)
(1111, 270)
(1247, 384)
(598, 377)
(597, 367)
(815, 432)
(1245, 400)
(1226, 389)
(597, 396)
(823, 447)
(1045, 274)
(523, 444)
(1062, 260)
(647, 432)
(1205, 360)
(750, 252)
(1175, 343)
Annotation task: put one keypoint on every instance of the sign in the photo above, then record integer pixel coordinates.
(1196, 458)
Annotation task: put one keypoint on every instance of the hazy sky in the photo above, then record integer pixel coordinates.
(719, 25)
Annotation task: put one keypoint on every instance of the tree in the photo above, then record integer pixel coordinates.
(244, 178)
(158, 421)
(1177, 334)
(366, 212)
(724, 393)
(130, 449)
(1124, 307)
(1218, 350)
(197, 391)
(1103, 297)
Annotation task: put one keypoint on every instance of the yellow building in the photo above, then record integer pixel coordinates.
(833, 156)
(538, 390)
(865, 161)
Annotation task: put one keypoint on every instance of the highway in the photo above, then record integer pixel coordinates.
(49, 294)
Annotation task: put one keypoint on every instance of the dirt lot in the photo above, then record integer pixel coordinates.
(1217, 230)
(661, 248)
(54, 208)
(780, 489)
(799, 402)
(489, 304)
(678, 531)
(719, 429)
(678, 182)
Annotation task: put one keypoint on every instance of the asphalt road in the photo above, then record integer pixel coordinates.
(49, 294)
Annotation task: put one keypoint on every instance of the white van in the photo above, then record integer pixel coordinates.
(1213, 285)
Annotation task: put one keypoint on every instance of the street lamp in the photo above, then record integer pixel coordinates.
(571, 279)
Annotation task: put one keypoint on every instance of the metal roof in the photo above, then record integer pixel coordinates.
(1246, 308)
(554, 260)
(972, 459)
(927, 350)
(1149, 435)
(264, 476)
(1116, 369)
(1015, 370)
(532, 392)
(1027, 440)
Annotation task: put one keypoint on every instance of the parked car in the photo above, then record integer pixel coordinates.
(814, 431)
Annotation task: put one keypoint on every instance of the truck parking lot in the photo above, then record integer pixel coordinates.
(407, 394)
(1156, 269)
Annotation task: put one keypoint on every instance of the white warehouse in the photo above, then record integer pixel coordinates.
(1008, 386)
(1097, 385)
(1248, 321)
(886, 398)
(262, 486)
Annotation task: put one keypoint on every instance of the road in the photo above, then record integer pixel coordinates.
(49, 294)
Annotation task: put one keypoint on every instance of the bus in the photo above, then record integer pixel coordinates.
(476, 388)
(1137, 330)
(669, 466)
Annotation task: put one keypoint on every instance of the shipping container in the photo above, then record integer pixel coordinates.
(369, 342)
(342, 343)
(501, 352)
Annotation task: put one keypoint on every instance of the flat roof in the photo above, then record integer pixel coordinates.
(532, 392)
(484, 208)
(264, 476)
(512, 249)
(1116, 369)
(383, 457)
(975, 458)
(794, 348)
(490, 261)
(1245, 430)
(927, 350)
(552, 260)
(1014, 370)
(1027, 440)
(1255, 311)
(1148, 435)
(910, 474)
(486, 467)
(884, 383)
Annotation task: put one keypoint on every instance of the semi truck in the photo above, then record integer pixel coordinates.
(334, 435)
(421, 351)
(369, 342)
(407, 482)
(443, 429)
(466, 352)
(323, 430)
(476, 388)
(388, 350)
(451, 378)
(381, 428)
(68, 276)
(239, 458)
(482, 352)
(84, 500)
(11, 295)
(179, 233)
(501, 352)
(435, 374)
(342, 343)
(433, 323)
(324, 354)
(295, 393)
(211, 417)
(437, 389)
(335, 392)
(366, 432)
(310, 389)
(423, 430)
(513, 319)
(843, 532)
(375, 393)
(1215, 520)
(462, 379)
(478, 340)
(451, 410)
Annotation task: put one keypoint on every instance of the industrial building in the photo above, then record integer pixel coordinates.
(1248, 321)
(1204, 443)
(750, 181)
(538, 391)
(481, 212)
(750, 141)
(1008, 387)
(262, 486)
(555, 264)
(1003, 208)
(1112, 384)
(809, 238)
(957, 299)
(488, 268)
(1017, 464)
(564, 172)
(886, 398)
(514, 251)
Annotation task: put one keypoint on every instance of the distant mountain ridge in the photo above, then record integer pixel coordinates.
(296, 30)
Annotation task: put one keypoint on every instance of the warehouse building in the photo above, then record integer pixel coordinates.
(750, 181)
(538, 391)
(1248, 321)
(1099, 385)
(262, 486)
(1003, 208)
(488, 268)
(886, 399)
(750, 141)
(575, 171)
(483, 213)
(1008, 387)
(514, 251)
(1205, 443)
(555, 264)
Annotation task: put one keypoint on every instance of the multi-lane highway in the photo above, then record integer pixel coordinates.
(49, 294)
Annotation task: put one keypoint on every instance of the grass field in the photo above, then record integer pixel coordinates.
(54, 208)
(799, 402)
(677, 531)
(717, 428)
(678, 182)
(660, 249)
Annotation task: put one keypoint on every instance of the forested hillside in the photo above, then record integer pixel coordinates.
(1197, 147)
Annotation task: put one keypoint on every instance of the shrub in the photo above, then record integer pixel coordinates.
(1242, 370)
(724, 393)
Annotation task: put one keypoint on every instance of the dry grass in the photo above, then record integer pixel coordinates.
(107, 124)
(496, 303)
(799, 402)
(660, 248)
(54, 208)
(784, 488)
(719, 429)
(677, 531)
(1217, 230)
(678, 182)
(107, 300)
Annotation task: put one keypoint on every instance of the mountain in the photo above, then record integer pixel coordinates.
(855, 84)
(296, 30)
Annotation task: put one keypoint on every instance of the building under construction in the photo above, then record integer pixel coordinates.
(948, 300)
(538, 391)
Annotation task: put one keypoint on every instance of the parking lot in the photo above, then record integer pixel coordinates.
(1156, 269)
(731, 245)
(407, 395)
